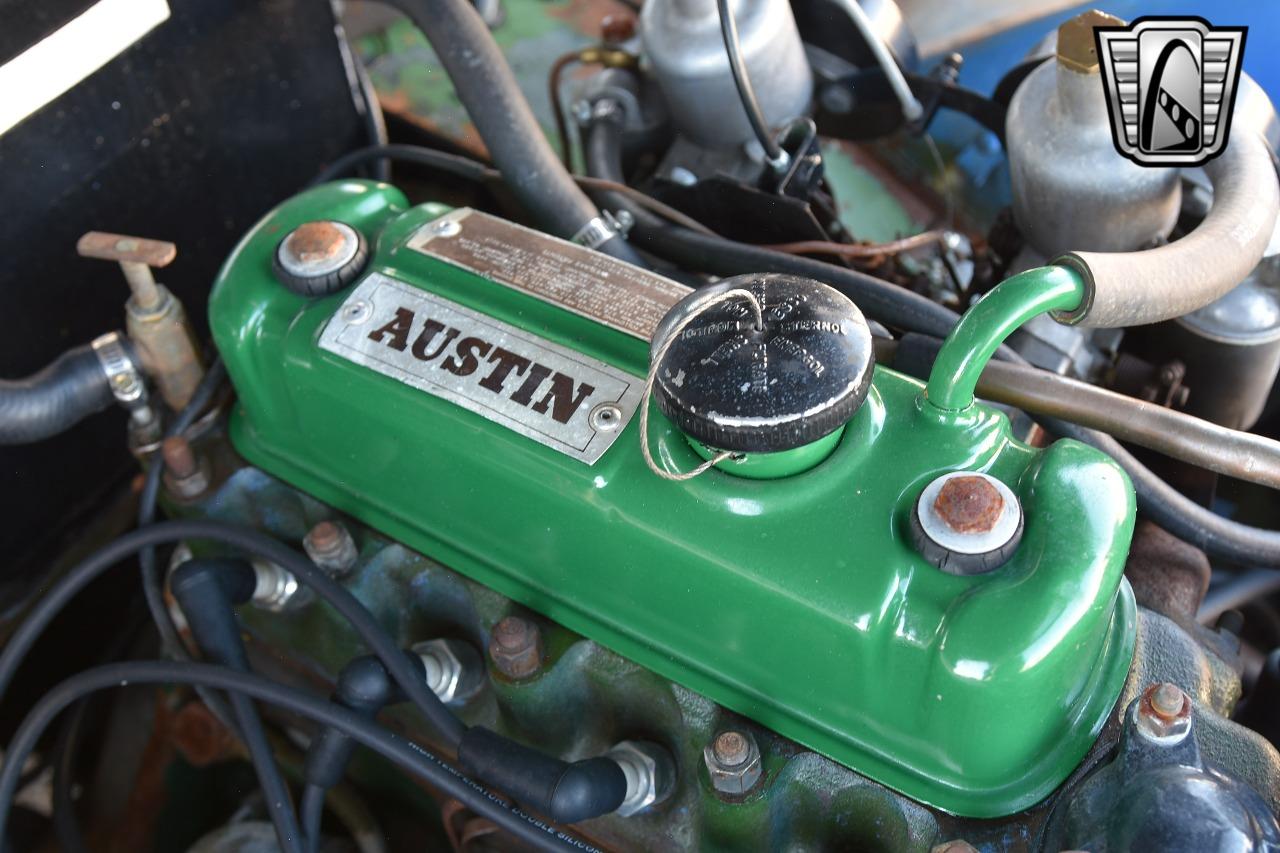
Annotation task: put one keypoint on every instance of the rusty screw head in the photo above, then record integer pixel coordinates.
(516, 647)
(967, 522)
(733, 762)
(1164, 714)
(330, 547)
(185, 474)
(617, 28)
(731, 748)
(969, 504)
(318, 249)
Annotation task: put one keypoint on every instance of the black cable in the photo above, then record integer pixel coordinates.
(488, 89)
(171, 643)
(65, 827)
(879, 299)
(397, 749)
(750, 104)
(258, 544)
(313, 814)
(207, 590)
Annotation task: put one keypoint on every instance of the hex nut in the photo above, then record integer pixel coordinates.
(515, 647)
(733, 762)
(454, 671)
(1163, 715)
(649, 771)
(331, 548)
(1076, 47)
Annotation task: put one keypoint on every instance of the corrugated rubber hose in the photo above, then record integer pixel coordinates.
(55, 399)
(515, 140)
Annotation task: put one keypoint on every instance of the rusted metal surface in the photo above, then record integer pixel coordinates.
(516, 647)
(1168, 575)
(200, 738)
(315, 242)
(969, 504)
(1164, 711)
(122, 248)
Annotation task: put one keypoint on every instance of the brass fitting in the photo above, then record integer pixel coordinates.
(154, 318)
(1077, 48)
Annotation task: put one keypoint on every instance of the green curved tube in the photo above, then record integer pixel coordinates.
(984, 327)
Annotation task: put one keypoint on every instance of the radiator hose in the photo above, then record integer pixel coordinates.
(515, 140)
(1137, 288)
(55, 399)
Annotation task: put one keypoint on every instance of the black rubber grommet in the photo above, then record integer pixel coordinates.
(956, 563)
(330, 281)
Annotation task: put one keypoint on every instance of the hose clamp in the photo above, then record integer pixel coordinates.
(122, 373)
(603, 228)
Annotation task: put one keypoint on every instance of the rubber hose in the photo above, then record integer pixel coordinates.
(55, 399)
(1137, 288)
(879, 299)
(497, 107)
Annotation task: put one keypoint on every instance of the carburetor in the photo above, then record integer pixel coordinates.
(468, 391)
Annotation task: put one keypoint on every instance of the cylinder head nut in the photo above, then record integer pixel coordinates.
(186, 474)
(454, 671)
(733, 762)
(321, 257)
(331, 548)
(515, 647)
(1163, 715)
(650, 773)
(967, 523)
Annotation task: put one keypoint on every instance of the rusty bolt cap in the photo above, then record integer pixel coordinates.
(331, 548)
(320, 257)
(617, 28)
(1164, 714)
(515, 647)
(733, 762)
(967, 522)
(1076, 47)
(969, 504)
(731, 748)
(179, 458)
(186, 475)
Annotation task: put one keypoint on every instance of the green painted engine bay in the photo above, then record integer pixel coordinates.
(798, 601)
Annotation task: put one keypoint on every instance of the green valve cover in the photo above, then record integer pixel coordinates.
(798, 601)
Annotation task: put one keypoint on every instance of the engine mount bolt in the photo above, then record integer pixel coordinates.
(331, 548)
(1163, 715)
(733, 762)
(516, 647)
(967, 523)
(186, 475)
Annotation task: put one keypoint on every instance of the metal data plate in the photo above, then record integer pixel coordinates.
(588, 283)
(549, 393)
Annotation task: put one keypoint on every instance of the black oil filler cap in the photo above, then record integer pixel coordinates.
(734, 387)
